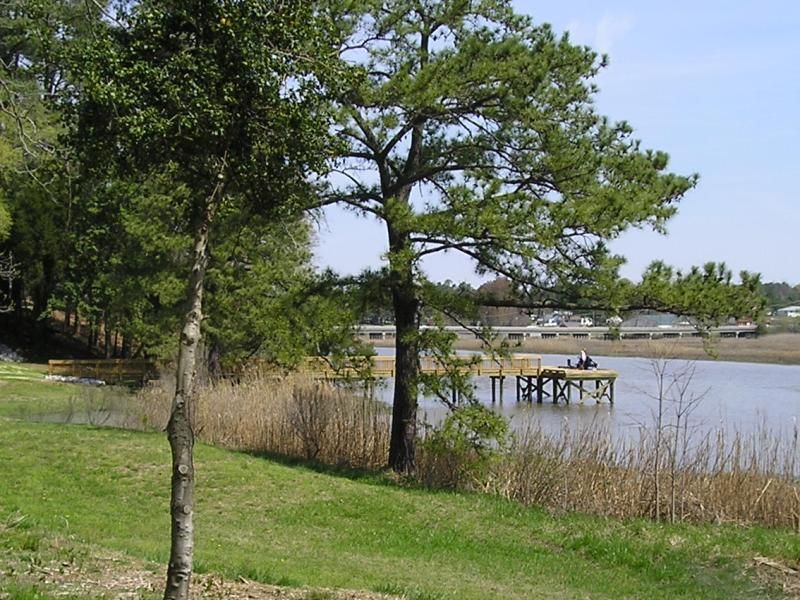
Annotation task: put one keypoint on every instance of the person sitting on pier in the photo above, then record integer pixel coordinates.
(585, 361)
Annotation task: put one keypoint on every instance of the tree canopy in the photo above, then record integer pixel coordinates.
(473, 130)
(228, 100)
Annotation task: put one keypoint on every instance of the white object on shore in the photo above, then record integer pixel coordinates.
(73, 379)
(9, 355)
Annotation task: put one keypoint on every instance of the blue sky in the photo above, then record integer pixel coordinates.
(714, 84)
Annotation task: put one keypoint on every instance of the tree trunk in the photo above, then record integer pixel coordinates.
(91, 338)
(106, 337)
(125, 352)
(179, 429)
(402, 444)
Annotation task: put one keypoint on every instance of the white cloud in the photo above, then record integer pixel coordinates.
(609, 30)
(602, 34)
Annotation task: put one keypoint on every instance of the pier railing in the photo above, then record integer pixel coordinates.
(384, 366)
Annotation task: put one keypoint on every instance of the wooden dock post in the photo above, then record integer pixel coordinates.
(527, 386)
(495, 380)
(563, 379)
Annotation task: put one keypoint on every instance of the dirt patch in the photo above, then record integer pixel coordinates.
(779, 574)
(119, 577)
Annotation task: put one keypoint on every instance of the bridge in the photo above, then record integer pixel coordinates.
(385, 332)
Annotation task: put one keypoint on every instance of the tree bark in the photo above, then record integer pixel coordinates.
(179, 429)
(402, 444)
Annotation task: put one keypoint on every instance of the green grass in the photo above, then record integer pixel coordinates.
(297, 527)
(26, 394)
(70, 492)
(24, 390)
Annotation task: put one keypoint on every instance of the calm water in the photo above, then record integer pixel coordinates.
(733, 396)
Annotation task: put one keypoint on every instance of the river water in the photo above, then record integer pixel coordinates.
(731, 396)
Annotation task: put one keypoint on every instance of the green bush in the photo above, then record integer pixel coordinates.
(459, 452)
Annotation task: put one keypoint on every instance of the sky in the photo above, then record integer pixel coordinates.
(716, 85)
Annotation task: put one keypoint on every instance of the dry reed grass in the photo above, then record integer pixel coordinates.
(749, 479)
(291, 416)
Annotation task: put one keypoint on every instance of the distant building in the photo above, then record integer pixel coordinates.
(653, 319)
(788, 311)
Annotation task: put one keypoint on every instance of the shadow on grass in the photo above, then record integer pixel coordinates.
(373, 476)
(378, 477)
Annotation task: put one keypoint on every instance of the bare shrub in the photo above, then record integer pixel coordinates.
(310, 415)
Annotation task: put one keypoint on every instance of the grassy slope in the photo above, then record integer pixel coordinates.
(294, 526)
(291, 525)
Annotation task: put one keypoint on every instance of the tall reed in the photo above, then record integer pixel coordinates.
(291, 416)
(723, 477)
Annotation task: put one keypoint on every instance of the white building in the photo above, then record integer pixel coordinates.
(788, 311)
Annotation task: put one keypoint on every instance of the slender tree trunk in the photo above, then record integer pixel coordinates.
(125, 352)
(91, 338)
(106, 337)
(179, 429)
(402, 444)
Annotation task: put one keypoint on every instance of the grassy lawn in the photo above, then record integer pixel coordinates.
(26, 394)
(71, 494)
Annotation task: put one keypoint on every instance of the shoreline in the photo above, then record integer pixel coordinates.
(778, 349)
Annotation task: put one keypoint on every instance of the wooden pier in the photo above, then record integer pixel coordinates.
(533, 380)
(593, 384)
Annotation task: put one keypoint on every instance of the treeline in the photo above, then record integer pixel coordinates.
(107, 248)
(781, 294)
(106, 181)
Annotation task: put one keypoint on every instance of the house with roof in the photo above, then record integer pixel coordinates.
(788, 311)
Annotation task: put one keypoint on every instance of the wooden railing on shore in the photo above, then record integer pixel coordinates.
(110, 370)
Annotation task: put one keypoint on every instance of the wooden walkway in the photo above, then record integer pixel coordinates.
(384, 366)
